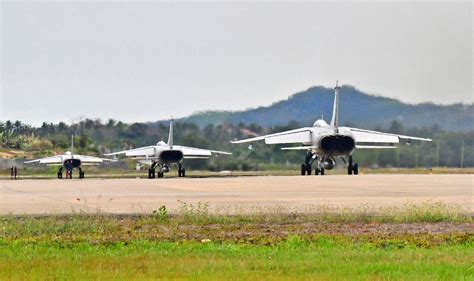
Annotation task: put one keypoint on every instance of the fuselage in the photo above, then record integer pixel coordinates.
(161, 153)
(69, 162)
(327, 141)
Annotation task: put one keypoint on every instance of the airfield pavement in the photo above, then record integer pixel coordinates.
(234, 194)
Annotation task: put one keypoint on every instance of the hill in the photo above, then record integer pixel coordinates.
(356, 108)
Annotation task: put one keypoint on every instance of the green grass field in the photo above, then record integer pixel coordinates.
(414, 242)
(320, 259)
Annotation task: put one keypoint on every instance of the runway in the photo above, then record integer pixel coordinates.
(246, 194)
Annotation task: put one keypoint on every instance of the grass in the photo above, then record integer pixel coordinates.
(323, 259)
(415, 241)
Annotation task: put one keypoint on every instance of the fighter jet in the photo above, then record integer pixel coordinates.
(163, 155)
(69, 161)
(325, 142)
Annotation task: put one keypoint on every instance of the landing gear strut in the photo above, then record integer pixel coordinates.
(319, 171)
(352, 168)
(181, 171)
(81, 173)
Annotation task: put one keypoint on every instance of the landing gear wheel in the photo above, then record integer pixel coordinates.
(352, 168)
(308, 169)
(60, 175)
(160, 174)
(318, 171)
(181, 171)
(81, 174)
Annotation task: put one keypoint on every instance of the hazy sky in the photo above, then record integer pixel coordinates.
(150, 60)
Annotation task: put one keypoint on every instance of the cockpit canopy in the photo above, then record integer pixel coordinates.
(161, 143)
(320, 123)
(68, 153)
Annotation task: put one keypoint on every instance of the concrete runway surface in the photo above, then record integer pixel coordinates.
(231, 194)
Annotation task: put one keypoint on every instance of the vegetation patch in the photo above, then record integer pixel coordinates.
(428, 241)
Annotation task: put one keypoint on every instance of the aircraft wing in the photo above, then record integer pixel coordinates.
(141, 152)
(302, 135)
(198, 153)
(47, 160)
(91, 160)
(367, 136)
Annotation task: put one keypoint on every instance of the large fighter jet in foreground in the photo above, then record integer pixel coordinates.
(69, 161)
(163, 155)
(325, 142)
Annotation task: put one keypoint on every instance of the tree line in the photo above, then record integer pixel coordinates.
(95, 137)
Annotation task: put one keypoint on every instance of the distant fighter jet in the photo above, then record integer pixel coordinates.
(163, 155)
(69, 161)
(324, 142)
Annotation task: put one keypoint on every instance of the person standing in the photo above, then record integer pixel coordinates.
(11, 172)
(15, 171)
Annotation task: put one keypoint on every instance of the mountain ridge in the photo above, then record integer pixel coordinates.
(356, 108)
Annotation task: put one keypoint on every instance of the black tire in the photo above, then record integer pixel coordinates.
(322, 172)
(316, 171)
(60, 175)
(303, 169)
(308, 169)
(356, 169)
(160, 174)
(349, 170)
(183, 173)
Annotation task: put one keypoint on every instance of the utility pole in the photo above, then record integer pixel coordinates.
(462, 154)
(437, 154)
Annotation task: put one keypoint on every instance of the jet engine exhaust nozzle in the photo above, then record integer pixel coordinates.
(171, 156)
(337, 144)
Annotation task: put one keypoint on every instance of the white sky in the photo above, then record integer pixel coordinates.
(150, 60)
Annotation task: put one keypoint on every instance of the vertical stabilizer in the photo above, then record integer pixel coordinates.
(72, 144)
(335, 110)
(170, 137)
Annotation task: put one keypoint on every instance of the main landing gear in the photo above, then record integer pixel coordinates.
(352, 168)
(306, 167)
(153, 173)
(69, 173)
(81, 173)
(181, 171)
